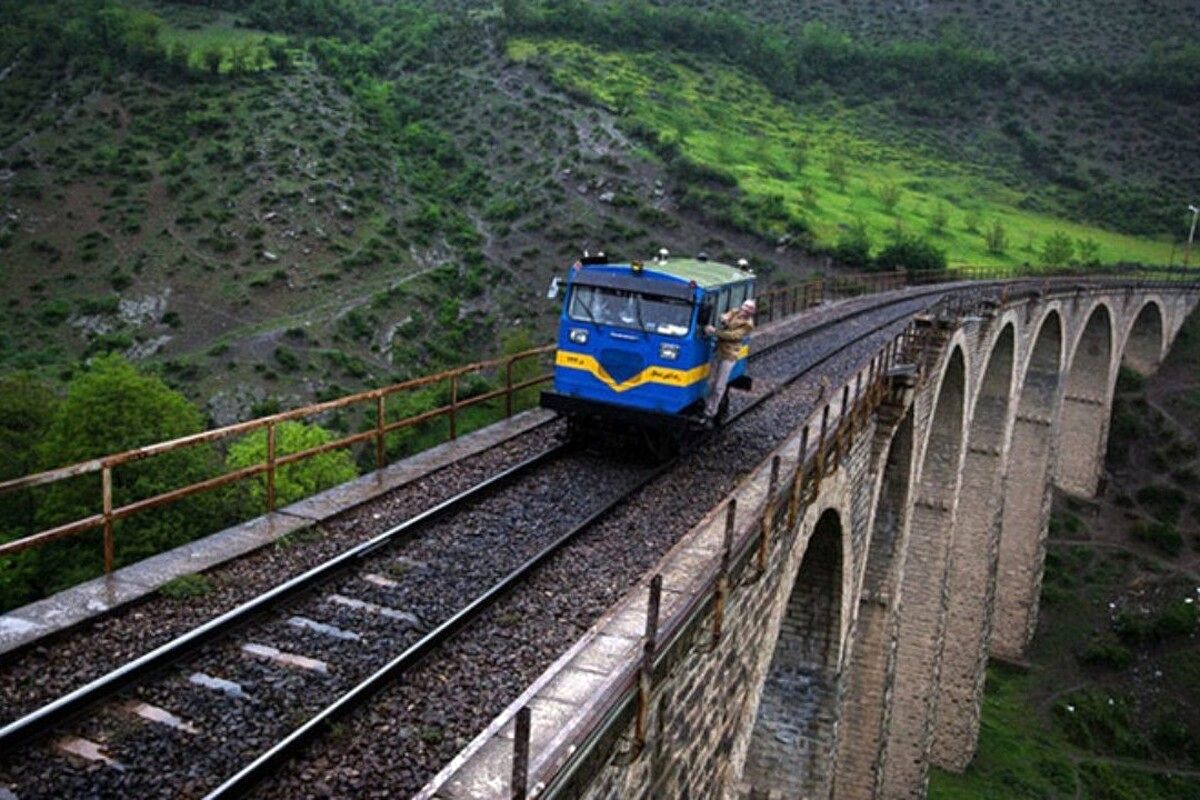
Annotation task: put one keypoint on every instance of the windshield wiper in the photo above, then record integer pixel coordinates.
(637, 310)
(588, 308)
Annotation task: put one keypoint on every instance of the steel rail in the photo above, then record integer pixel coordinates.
(34, 725)
(255, 772)
(37, 723)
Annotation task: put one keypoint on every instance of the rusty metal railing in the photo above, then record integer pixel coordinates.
(774, 304)
(108, 513)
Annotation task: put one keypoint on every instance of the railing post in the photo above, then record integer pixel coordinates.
(768, 518)
(508, 392)
(723, 579)
(798, 481)
(520, 764)
(380, 417)
(649, 647)
(856, 417)
(454, 405)
(819, 467)
(270, 467)
(107, 505)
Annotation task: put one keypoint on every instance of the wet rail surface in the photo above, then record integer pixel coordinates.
(206, 717)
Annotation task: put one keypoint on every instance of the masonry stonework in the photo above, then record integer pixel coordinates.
(855, 657)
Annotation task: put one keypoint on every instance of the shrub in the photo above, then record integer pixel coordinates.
(911, 253)
(1130, 380)
(1164, 502)
(889, 196)
(52, 313)
(27, 407)
(1106, 652)
(996, 238)
(939, 219)
(854, 246)
(1057, 250)
(288, 360)
(109, 408)
(1161, 535)
(1176, 619)
(1099, 722)
(297, 480)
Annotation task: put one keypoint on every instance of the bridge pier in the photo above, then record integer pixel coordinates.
(863, 720)
(972, 582)
(1087, 405)
(1027, 494)
(923, 588)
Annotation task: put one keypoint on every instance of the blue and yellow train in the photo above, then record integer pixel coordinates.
(631, 343)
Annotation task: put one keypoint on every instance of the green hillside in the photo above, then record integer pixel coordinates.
(814, 171)
(273, 202)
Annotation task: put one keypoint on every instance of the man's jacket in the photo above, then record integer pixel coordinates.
(734, 330)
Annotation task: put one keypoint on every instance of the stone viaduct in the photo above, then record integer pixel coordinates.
(845, 652)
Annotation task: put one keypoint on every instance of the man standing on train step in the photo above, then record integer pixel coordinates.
(735, 327)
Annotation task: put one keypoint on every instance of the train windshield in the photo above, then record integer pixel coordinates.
(668, 316)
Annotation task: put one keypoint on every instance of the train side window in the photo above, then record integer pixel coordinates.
(706, 310)
(723, 303)
(737, 295)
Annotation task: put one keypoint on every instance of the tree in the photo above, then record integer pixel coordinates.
(519, 341)
(889, 196)
(1089, 251)
(939, 219)
(837, 169)
(179, 58)
(1057, 250)
(212, 56)
(110, 408)
(297, 480)
(854, 246)
(911, 253)
(996, 238)
(239, 58)
(27, 406)
(277, 51)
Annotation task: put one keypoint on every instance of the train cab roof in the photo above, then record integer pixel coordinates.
(686, 273)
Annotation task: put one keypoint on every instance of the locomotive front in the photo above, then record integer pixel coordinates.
(631, 344)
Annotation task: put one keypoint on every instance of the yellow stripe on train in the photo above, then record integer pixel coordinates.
(665, 376)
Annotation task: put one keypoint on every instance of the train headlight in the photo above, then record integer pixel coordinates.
(578, 335)
(668, 352)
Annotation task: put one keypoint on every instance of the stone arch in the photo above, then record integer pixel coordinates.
(794, 726)
(1027, 492)
(1087, 403)
(1146, 341)
(912, 701)
(972, 578)
(862, 720)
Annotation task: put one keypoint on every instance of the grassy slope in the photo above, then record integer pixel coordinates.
(1104, 712)
(725, 119)
(283, 243)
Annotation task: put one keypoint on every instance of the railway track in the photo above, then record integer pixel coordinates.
(253, 675)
